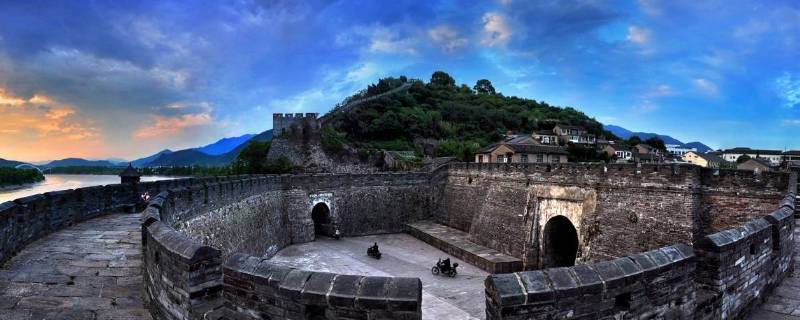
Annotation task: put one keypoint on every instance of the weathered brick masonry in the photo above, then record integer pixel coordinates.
(260, 215)
(741, 242)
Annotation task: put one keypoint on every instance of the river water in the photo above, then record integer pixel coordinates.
(54, 182)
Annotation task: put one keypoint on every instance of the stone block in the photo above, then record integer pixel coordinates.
(589, 281)
(505, 289)
(405, 294)
(292, 285)
(316, 288)
(372, 294)
(537, 287)
(563, 282)
(344, 290)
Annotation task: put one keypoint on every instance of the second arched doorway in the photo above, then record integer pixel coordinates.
(321, 215)
(559, 243)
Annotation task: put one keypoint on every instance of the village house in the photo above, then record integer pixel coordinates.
(521, 149)
(546, 137)
(755, 165)
(705, 160)
(791, 155)
(647, 154)
(773, 156)
(622, 153)
(678, 150)
(574, 134)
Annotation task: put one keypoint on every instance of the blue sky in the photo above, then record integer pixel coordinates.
(126, 79)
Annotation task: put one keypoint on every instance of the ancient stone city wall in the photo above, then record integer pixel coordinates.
(742, 245)
(616, 209)
(722, 277)
(185, 278)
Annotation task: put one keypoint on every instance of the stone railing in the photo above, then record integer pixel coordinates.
(27, 219)
(724, 275)
(255, 286)
(185, 279)
(737, 267)
(654, 285)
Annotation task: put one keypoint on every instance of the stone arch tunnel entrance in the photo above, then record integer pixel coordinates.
(560, 243)
(321, 215)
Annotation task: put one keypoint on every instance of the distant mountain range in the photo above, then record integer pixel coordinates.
(78, 162)
(220, 153)
(146, 160)
(626, 134)
(224, 145)
(9, 163)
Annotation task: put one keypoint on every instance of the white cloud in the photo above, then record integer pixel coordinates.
(787, 87)
(662, 90)
(447, 38)
(164, 126)
(705, 86)
(790, 122)
(645, 106)
(388, 41)
(638, 35)
(650, 7)
(495, 29)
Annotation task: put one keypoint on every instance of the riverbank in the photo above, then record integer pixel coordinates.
(56, 182)
(12, 178)
(12, 187)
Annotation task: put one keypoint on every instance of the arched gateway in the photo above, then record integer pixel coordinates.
(560, 243)
(321, 215)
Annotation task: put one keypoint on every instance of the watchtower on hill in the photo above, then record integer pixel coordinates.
(291, 123)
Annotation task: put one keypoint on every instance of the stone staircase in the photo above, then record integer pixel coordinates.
(456, 243)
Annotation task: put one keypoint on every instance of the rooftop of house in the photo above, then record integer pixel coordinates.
(744, 150)
(761, 161)
(524, 144)
(570, 127)
(545, 132)
(710, 157)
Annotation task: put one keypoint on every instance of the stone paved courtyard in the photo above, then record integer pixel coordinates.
(88, 271)
(784, 301)
(443, 298)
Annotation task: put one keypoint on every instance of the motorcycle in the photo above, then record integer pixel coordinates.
(444, 268)
(374, 252)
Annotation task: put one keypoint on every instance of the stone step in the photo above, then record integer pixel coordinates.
(455, 242)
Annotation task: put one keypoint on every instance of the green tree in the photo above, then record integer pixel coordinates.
(743, 158)
(634, 140)
(332, 140)
(442, 79)
(253, 158)
(484, 86)
(657, 143)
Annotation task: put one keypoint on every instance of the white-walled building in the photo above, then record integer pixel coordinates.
(678, 150)
(773, 156)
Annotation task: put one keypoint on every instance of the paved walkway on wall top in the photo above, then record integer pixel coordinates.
(88, 271)
(784, 301)
(443, 298)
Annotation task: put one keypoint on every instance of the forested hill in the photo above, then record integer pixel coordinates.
(460, 117)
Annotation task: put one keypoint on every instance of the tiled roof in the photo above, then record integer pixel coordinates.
(524, 148)
(709, 157)
(742, 150)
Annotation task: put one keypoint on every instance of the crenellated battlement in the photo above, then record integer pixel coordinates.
(283, 123)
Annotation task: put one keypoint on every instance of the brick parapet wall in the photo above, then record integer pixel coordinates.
(177, 297)
(182, 279)
(257, 289)
(738, 267)
(27, 219)
(656, 284)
